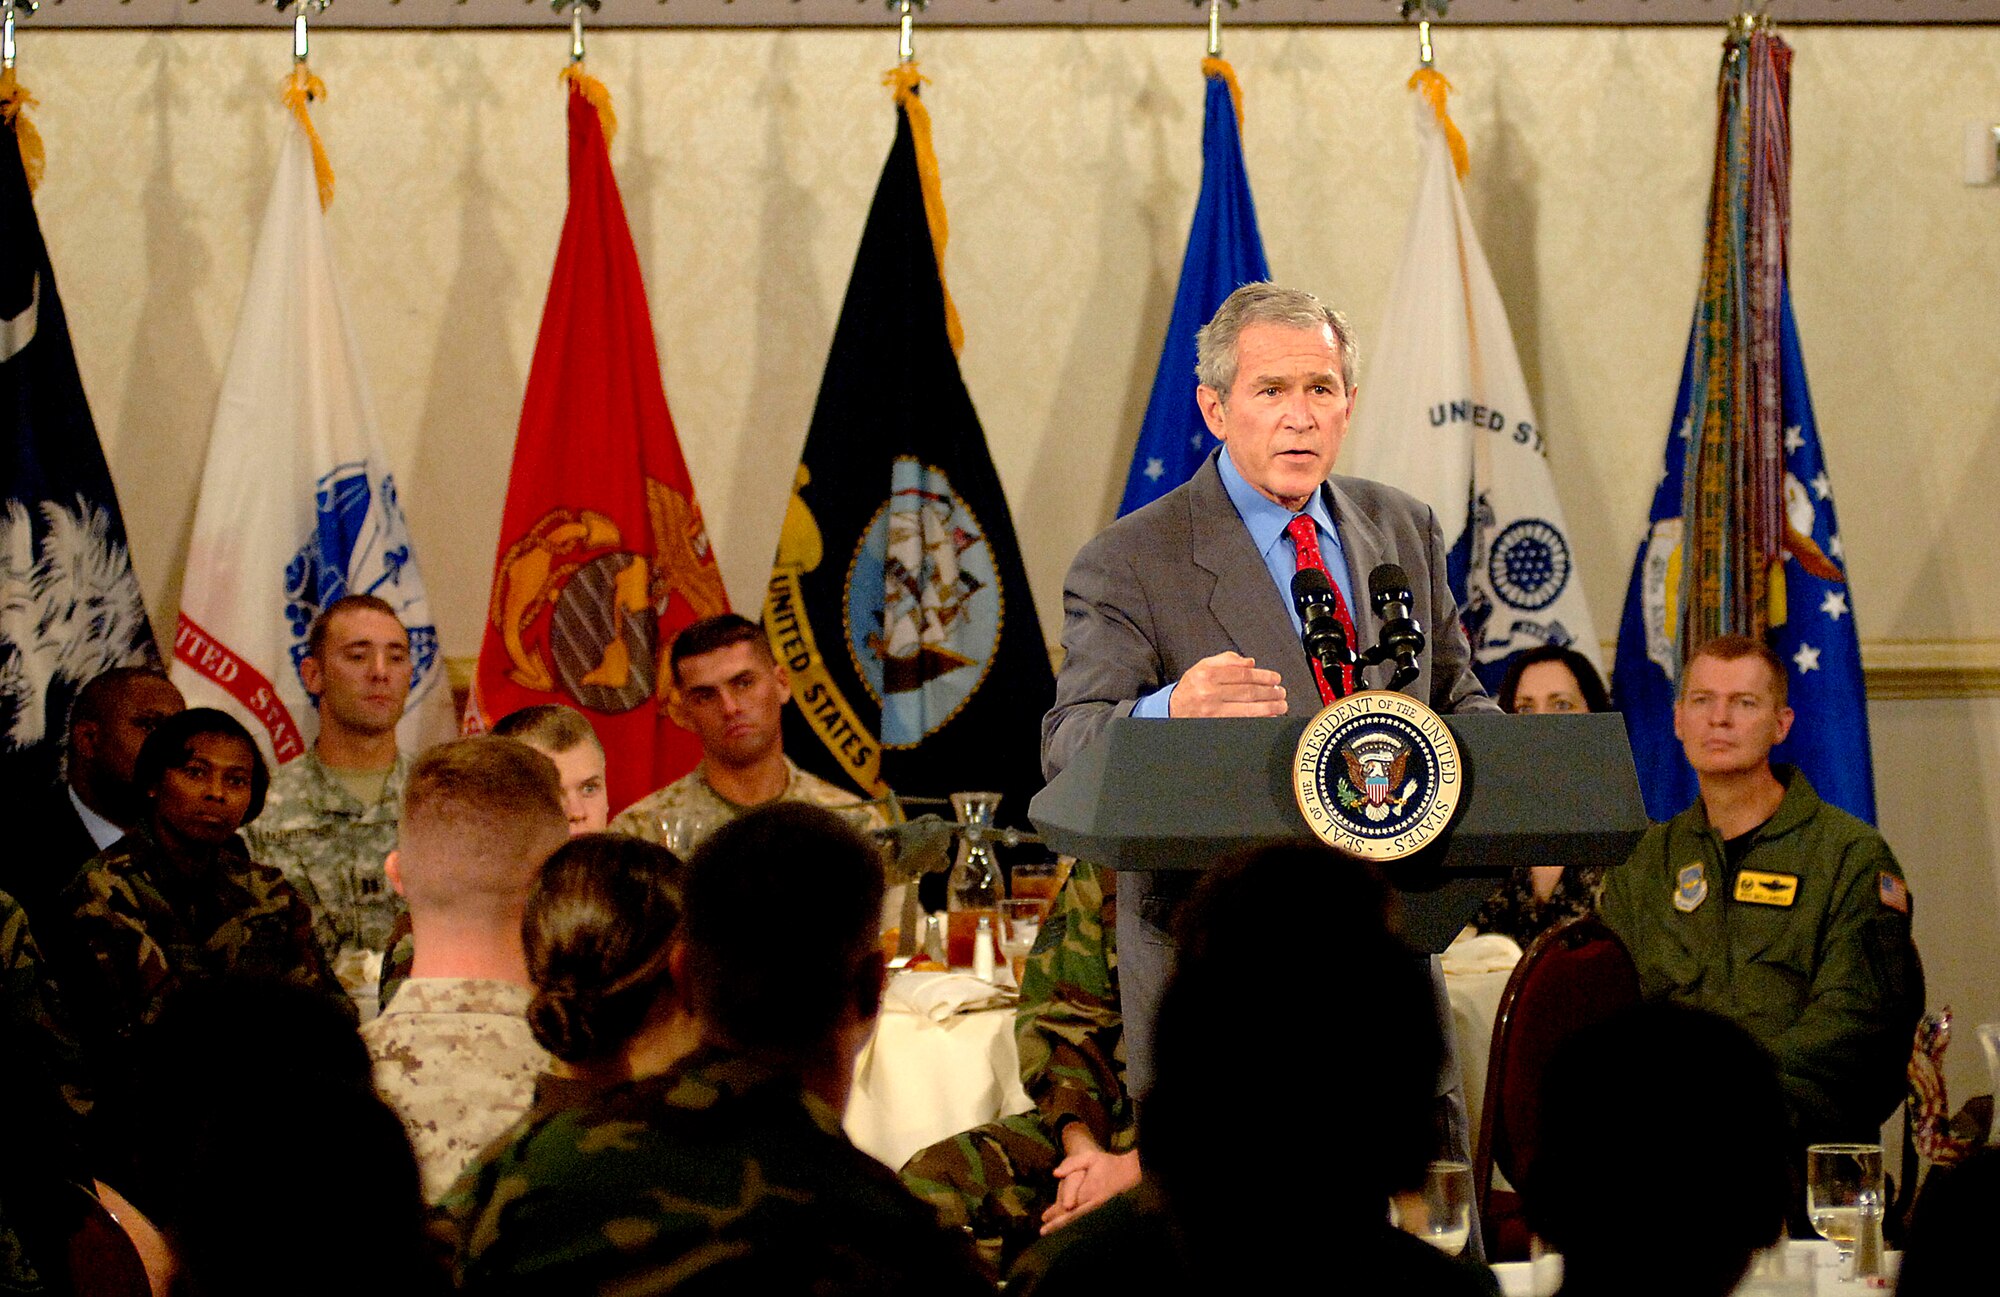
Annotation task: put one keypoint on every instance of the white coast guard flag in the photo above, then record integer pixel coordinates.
(1444, 414)
(297, 503)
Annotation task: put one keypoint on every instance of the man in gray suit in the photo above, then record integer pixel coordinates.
(1184, 607)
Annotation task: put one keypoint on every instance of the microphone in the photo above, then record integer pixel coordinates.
(1402, 637)
(1319, 627)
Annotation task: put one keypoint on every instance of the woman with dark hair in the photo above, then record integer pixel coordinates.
(1551, 680)
(178, 899)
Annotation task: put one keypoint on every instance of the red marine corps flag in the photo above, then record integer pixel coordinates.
(602, 557)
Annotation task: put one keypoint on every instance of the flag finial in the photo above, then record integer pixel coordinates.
(906, 29)
(576, 8)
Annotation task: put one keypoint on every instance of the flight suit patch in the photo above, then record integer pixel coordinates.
(1692, 888)
(1895, 893)
(1759, 888)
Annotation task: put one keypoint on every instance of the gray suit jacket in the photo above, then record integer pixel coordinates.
(1180, 580)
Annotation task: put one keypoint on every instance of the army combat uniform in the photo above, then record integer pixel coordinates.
(997, 1179)
(1804, 941)
(43, 1170)
(719, 1175)
(331, 847)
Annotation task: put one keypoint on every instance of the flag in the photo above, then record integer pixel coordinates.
(1742, 536)
(297, 505)
(898, 601)
(1445, 415)
(1224, 252)
(603, 556)
(70, 606)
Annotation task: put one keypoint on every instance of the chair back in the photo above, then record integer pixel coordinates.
(1576, 974)
(101, 1258)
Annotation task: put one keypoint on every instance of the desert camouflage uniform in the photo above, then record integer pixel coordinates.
(704, 810)
(42, 1099)
(139, 929)
(331, 848)
(997, 1179)
(719, 1175)
(455, 1059)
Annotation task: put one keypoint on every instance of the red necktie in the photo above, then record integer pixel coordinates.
(1305, 544)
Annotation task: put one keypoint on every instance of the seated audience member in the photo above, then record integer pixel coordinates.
(179, 899)
(729, 1171)
(1782, 913)
(730, 691)
(1223, 1208)
(1951, 1230)
(1660, 1164)
(1010, 1181)
(564, 736)
(453, 1053)
(265, 1156)
(95, 804)
(1550, 680)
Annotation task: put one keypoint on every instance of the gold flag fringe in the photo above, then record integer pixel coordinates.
(299, 90)
(1217, 67)
(904, 80)
(596, 95)
(1435, 88)
(14, 102)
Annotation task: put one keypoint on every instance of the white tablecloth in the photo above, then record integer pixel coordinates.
(919, 1081)
(1474, 978)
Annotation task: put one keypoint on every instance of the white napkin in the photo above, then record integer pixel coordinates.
(1487, 952)
(938, 996)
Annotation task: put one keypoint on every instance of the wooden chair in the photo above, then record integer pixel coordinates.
(1573, 976)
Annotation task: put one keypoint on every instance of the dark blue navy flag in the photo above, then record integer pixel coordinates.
(1817, 637)
(70, 606)
(1224, 252)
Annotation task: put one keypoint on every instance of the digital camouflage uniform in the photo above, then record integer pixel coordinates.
(997, 1179)
(1829, 982)
(331, 848)
(721, 1175)
(42, 1104)
(703, 810)
(454, 1057)
(138, 930)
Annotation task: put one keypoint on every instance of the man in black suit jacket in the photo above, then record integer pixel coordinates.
(1183, 608)
(94, 805)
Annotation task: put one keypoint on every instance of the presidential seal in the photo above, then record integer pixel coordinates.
(1378, 775)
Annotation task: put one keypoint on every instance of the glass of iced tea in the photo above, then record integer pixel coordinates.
(1033, 880)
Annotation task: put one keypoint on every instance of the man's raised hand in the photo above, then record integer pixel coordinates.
(1228, 684)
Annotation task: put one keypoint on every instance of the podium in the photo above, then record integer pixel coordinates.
(1182, 794)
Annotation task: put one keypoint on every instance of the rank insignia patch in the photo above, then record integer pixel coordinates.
(1759, 888)
(1692, 888)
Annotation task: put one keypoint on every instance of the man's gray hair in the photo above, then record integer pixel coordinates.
(1264, 303)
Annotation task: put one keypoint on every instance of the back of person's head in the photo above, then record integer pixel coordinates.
(1951, 1230)
(479, 818)
(1230, 1017)
(1664, 1117)
(550, 727)
(598, 928)
(782, 909)
(167, 748)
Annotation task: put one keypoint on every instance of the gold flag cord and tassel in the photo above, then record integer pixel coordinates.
(595, 95)
(1436, 90)
(904, 80)
(14, 102)
(1215, 66)
(298, 91)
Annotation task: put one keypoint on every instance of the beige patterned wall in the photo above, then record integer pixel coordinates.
(1070, 161)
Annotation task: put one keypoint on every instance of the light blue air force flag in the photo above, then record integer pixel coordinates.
(1818, 641)
(1224, 252)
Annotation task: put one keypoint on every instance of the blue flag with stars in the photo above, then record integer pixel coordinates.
(1817, 639)
(1224, 252)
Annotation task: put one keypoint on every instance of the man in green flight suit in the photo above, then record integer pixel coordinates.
(1766, 905)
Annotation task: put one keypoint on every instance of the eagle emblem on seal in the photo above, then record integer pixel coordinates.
(1374, 770)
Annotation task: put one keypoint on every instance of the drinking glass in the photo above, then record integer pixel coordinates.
(1441, 1213)
(1843, 1190)
(1020, 924)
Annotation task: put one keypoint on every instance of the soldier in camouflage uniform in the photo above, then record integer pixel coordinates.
(998, 1180)
(730, 1167)
(330, 819)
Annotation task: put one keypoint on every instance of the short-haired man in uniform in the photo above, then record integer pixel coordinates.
(730, 691)
(1764, 904)
(564, 735)
(330, 819)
